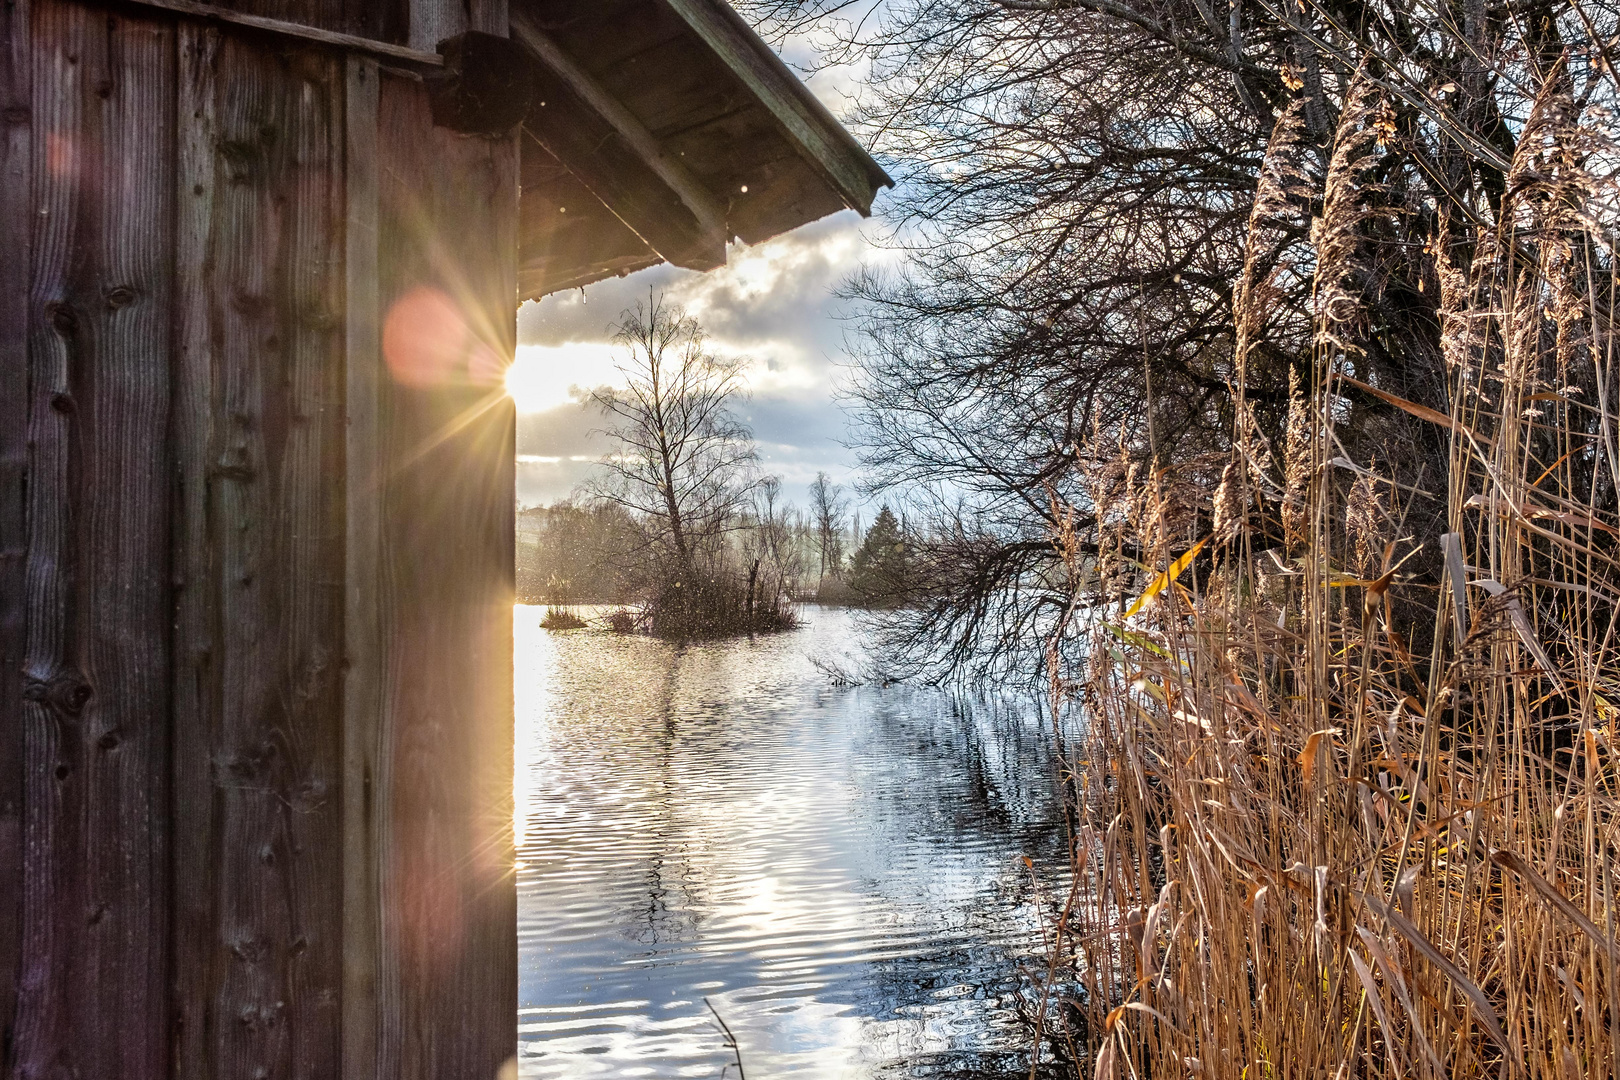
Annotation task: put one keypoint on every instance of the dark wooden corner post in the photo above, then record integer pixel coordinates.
(430, 955)
(255, 564)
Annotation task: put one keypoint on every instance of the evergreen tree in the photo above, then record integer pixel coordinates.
(879, 571)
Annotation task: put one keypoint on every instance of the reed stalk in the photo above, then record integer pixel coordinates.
(1337, 816)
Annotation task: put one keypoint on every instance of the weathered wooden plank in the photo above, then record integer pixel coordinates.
(297, 20)
(448, 955)
(671, 82)
(16, 219)
(490, 16)
(703, 116)
(363, 614)
(93, 992)
(259, 708)
(826, 146)
(613, 154)
(636, 26)
(431, 21)
(198, 640)
(567, 238)
(782, 192)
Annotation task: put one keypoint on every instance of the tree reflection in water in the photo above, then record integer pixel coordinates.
(839, 870)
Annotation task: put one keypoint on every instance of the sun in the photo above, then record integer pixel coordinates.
(545, 377)
(531, 386)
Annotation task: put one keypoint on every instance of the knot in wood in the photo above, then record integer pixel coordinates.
(310, 794)
(250, 305)
(249, 950)
(69, 694)
(65, 694)
(64, 320)
(120, 296)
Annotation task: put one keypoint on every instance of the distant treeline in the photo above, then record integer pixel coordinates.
(680, 525)
(572, 553)
(596, 552)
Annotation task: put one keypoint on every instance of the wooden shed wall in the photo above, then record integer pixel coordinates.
(255, 579)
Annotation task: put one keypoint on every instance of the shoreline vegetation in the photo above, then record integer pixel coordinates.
(1252, 374)
(1347, 804)
(565, 543)
(678, 529)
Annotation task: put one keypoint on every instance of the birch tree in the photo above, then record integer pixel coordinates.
(682, 461)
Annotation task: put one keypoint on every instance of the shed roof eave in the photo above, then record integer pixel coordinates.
(676, 129)
(818, 135)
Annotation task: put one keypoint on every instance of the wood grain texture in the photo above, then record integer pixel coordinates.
(316, 32)
(93, 985)
(364, 617)
(214, 497)
(431, 21)
(303, 31)
(196, 559)
(490, 16)
(16, 218)
(260, 445)
(448, 955)
(568, 238)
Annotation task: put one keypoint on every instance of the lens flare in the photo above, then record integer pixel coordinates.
(427, 341)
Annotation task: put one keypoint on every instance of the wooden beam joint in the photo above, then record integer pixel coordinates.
(486, 86)
(820, 139)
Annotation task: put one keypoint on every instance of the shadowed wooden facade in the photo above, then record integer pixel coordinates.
(256, 489)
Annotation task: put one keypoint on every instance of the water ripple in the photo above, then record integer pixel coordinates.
(838, 870)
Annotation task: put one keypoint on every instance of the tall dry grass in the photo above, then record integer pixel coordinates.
(1336, 817)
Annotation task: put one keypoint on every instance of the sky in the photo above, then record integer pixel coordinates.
(773, 304)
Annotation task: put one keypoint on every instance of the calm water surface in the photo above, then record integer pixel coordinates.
(839, 870)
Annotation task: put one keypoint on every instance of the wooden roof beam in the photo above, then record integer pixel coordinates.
(820, 139)
(218, 13)
(623, 164)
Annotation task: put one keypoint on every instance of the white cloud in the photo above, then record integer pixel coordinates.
(773, 303)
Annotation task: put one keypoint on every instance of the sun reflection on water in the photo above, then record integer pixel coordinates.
(836, 870)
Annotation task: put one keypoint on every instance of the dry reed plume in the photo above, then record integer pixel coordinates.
(1337, 817)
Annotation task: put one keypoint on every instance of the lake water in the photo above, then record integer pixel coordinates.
(839, 871)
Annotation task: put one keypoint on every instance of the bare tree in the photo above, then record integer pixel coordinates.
(1106, 210)
(827, 515)
(682, 461)
(775, 565)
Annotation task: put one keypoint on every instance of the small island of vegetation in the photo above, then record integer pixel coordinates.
(680, 531)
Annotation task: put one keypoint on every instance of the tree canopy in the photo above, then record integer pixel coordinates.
(1120, 221)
